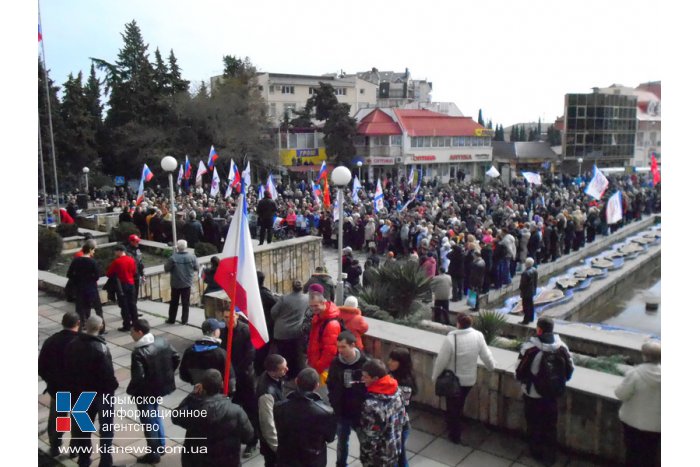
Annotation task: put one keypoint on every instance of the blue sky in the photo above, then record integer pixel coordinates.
(515, 60)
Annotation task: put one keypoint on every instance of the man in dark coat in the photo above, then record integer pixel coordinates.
(153, 365)
(305, 425)
(266, 211)
(205, 354)
(84, 272)
(193, 230)
(268, 301)
(528, 288)
(221, 431)
(477, 272)
(456, 272)
(52, 369)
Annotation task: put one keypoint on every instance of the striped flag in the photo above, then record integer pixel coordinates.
(533, 178)
(613, 210)
(598, 184)
(180, 175)
(378, 198)
(213, 156)
(270, 187)
(323, 173)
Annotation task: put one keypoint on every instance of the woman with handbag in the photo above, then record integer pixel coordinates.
(456, 367)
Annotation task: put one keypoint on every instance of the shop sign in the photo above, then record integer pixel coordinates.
(460, 157)
(380, 161)
(424, 158)
(307, 152)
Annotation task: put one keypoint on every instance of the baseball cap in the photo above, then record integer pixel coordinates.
(212, 324)
(134, 238)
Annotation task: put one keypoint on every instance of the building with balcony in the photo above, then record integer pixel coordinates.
(397, 89)
(600, 128)
(394, 141)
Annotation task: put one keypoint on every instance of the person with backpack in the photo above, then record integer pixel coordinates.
(326, 326)
(545, 367)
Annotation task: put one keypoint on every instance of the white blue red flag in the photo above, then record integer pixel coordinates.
(261, 192)
(201, 170)
(378, 198)
(270, 187)
(613, 211)
(598, 184)
(146, 175)
(336, 212)
(139, 197)
(188, 168)
(356, 185)
(213, 156)
(317, 193)
(323, 172)
(245, 176)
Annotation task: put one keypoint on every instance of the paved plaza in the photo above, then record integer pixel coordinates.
(427, 443)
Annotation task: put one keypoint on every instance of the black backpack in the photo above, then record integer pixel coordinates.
(554, 372)
(325, 323)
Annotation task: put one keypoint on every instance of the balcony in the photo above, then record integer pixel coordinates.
(378, 151)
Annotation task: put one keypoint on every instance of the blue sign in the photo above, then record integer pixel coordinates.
(119, 180)
(307, 152)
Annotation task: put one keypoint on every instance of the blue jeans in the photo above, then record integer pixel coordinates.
(343, 432)
(403, 462)
(154, 438)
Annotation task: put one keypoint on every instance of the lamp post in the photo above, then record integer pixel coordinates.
(359, 170)
(86, 171)
(169, 164)
(580, 161)
(340, 177)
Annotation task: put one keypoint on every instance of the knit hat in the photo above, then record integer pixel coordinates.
(317, 288)
(351, 302)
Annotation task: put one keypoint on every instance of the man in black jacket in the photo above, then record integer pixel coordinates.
(52, 369)
(88, 368)
(269, 391)
(153, 365)
(193, 230)
(305, 425)
(528, 288)
(83, 273)
(476, 276)
(214, 438)
(266, 211)
(206, 354)
(268, 301)
(346, 392)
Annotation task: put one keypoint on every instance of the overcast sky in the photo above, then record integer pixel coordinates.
(514, 59)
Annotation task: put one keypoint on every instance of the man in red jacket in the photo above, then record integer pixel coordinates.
(325, 328)
(124, 269)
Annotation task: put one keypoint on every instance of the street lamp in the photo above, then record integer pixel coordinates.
(86, 171)
(359, 170)
(340, 177)
(169, 164)
(580, 161)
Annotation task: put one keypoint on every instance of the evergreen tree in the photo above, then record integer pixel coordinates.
(45, 130)
(175, 81)
(498, 135)
(532, 135)
(161, 76)
(489, 124)
(553, 136)
(202, 91)
(514, 133)
(302, 118)
(325, 101)
(539, 128)
(480, 120)
(92, 96)
(339, 132)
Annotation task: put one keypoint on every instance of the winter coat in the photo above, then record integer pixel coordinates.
(83, 272)
(442, 287)
(429, 266)
(456, 267)
(548, 342)
(322, 349)
(470, 345)
(477, 272)
(52, 361)
(305, 424)
(528, 282)
(346, 392)
(221, 431)
(325, 280)
(181, 265)
(266, 211)
(640, 393)
(193, 231)
(203, 355)
(354, 322)
(88, 365)
(288, 314)
(382, 421)
(354, 274)
(268, 392)
(153, 365)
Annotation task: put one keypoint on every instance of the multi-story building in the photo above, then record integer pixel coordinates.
(397, 89)
(599, 128)
(394, 141)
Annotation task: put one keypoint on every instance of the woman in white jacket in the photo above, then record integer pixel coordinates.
(470, 345)
(640, 413)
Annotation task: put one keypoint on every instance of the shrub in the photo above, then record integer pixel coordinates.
(402, 283)
(205, 249)
(67, 230)
(602, 364)
(104, 257)
(490, 323)
(50, 246)
(121, 232)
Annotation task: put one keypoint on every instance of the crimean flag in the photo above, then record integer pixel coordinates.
(410, 178)
(213, 156)
(355, 189)
(655, 172)
(317, 193)
(139, 197)
(201, 170)
(323, 173)
(326, 193)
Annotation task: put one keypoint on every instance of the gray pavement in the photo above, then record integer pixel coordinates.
(427, 443)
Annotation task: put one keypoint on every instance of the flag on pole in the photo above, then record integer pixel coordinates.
(213, 156)
(493, 172)
(270, 187)
(378, 198)
(237, 275)
(139, 197)
(336, 212)
(356, 185)
(317, 194)
(215, 183)
(410, 178)
(655, 172)
(188, 168)
(245, 177)
(533, 178)
(323, 173)
(326, 194)
(598, 184)
(201, 170)
(261, 192)
(613, 211)
(40, 36)
(234, 180)
(180, 175)
(147, 175)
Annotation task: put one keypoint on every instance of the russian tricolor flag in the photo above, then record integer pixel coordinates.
(323, 172)
(213, 156)
(188, 168)
(146, 175)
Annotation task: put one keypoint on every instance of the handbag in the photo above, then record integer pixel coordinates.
(447, 384)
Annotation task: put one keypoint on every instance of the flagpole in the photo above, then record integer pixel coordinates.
(43, 178)
(48, 107)
(229, 337)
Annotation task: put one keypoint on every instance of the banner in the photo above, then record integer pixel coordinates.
(597, 185)
(613, 211)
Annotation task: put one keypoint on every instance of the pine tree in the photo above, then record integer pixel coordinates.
(514, 133)
(489, 124)
(78, 138)
(176, 83)
(539, 128)
(339, 132)
(324, 100)
(44, 126)
(160, 75)
(202, 91)
(480, 119)
(532, 135)
(92, 96)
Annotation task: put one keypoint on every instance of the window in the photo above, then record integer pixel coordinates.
(312, 91)
(652, 138)
(396, 140)
(362, 91)
(581, 111)
(273, 109)
(287, 89)
(340, 91)
(272, 89)
(640, 139)
(260, 88)
(579, 138)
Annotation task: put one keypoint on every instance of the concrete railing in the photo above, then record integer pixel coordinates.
(588, 420)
